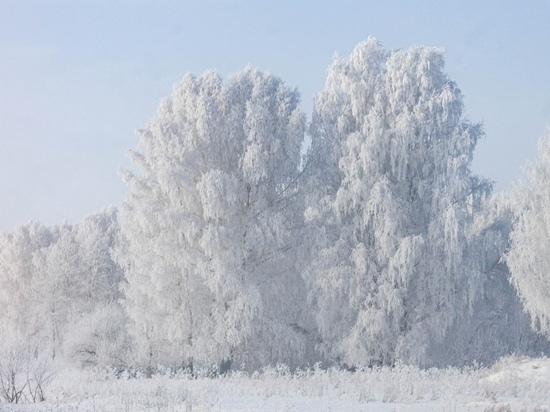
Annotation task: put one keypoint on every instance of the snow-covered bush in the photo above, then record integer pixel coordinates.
(25, 368)
(99, 339)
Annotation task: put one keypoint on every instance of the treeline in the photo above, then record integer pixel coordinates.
(232, 250)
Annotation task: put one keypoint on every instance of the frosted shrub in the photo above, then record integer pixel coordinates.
(517, 376)
(99, 339)
(25, 372)
(275, 389)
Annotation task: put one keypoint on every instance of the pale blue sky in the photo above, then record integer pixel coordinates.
(77, 77)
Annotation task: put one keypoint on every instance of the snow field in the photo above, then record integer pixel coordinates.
(513, 384)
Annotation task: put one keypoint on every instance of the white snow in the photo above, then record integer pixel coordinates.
(513, 384)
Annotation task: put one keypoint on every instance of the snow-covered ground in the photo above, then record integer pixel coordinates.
(513, 384)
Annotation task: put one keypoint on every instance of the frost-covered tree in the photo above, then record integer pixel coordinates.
(75, 275)
(53, 276)
(394, 269)
(96, 328)
(54, 284)
(497, 325)
(529, 255)
(207, 225)
(17, 274)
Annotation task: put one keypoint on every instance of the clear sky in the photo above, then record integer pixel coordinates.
(78, 77)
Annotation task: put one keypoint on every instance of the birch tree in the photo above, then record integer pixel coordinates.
(400, 194)
(207, 225)
(528, 257)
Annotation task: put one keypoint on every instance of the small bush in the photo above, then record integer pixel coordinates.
(98, 339)
(25, 371)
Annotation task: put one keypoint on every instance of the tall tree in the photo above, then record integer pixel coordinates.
(529, 257)
(207, 225)
(497, 325)
(394, 271)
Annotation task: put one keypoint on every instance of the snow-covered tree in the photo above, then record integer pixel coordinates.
(497, 325)
(52, 276)
(17, 274)
(96, 329)
(75, 275)
(53, 286)
(529, 255)
(394, 268)
(207, 225)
